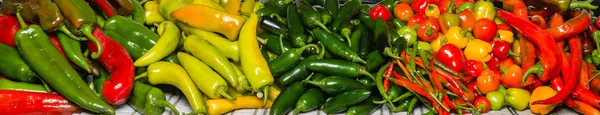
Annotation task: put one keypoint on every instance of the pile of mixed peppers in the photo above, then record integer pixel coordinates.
(451, 56)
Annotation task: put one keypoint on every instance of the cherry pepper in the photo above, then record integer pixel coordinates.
(451, 56)
(119, 64)
(474, 67)
(500, 49)
(380, 11)
(548, 65)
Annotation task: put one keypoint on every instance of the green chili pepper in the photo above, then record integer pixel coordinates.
(6, 84)
(484, 9)
(299, 72)
(337, 67)
(379, 81)
(394, 91)
(398, 23)
(276, 2)
(268, 10)
(296, 33)
(348, 10)
(367, 107)
(149, 100)
(13, 66)
(207, 80)
(273, 26)
(274, 44)
(403, 106)
(366, 19)
(365, 45)
(356, 37)
(282, 63)
(337, 47)
(465, 6)
(310, 16)
(284, 103)
(54, 69)
(374, 60)
(72, 49)
(208, 54)
(137, 40)
(334, 85)
(82, 19)
(340, 38)
(310, 100)
(326, 16)
(169, 41)
(138, 14)
(318, 77)
(412, 105)
(173, 74)
(344, 100)
(332, 6)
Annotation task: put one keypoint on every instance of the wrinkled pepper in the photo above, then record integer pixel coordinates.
(206, 18)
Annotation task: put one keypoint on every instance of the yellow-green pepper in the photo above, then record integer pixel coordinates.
(478, 50)
(228, 48)
(207, 80)
(253, 63)
(484, 9)
(152, 14)
(168, 42)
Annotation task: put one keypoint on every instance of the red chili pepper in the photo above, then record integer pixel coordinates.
(520, 9)
(548, 65)
(500, 49)
(474, 67)
(504, 27)
(410, 85)
(416, 19)
(571, 27)
(8, 28)
(539, 21)
(557, 84)
(23, 102)
(597, 24)
(419, 6)
(586, 96)
(584, 76)
(571, 81)
(106, 7)
(555, 20)
(118, 62)
(388, 72)
(380, 11)
(436, 79)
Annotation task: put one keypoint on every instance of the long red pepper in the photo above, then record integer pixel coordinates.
(548, 65)
(23, 102)
(436, 79)
(388, 72)
(586, 96)
(571, 81)
(118, 62)
(557, 84)
(520, 9)
(106, 7)
(571, 27)
(8, 28)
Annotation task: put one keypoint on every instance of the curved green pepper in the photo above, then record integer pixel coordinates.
(282, 63)
(367, 107)
(139, 13)
(334, 85)
(72, 50)
(6, 84)
(13, 66)
(284, 103)
(310, 100)
(170, 36)
(343, 101)
(149, 100)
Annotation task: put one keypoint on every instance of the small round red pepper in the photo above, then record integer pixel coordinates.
(419, 6)
(428, 31)
(380, 11)
(474, 67)
(451, 56)
(500, 49)
(416, 19)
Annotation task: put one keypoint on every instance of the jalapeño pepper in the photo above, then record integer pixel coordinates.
(311, 17)
(335, 85)
(345, 13)
(337, 47)
(343, 101)
(13, 66)
(338, 67)
(310, 100)
(282, 63)
(296, 33)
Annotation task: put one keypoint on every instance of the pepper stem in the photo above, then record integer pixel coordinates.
(379, 102)
(322, 52)
(224, 94)
(511, 53)
(388, 51)
(346, 33)
(363, 71)
(309, 76)
(320, 24)
(67, 32)
(301, 49)
(163, 103)
(87, 31)
(143, 75)
(582, 4)
(403, 96)
(535, 69)
(281, 43)
(266, 96)
(46, 86)
(592, 78)
(20, 18)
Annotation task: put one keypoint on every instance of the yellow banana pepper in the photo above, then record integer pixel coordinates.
(166, 7)
(478, 50)
(209, 3)
(257, 6)
(152, 14)
(541, 93)
(248, 6)
(210, 19)
(437, 43)
(254, 65)
(455, 36)
(233, 7)
(222, 106)
(170, 36)
(506, 36)
(228, 48)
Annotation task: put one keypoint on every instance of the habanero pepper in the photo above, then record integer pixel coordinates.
(119, 64)
(548, 66)
(35, 48)
(147, 99)
(254, 66)
(14, 67)
(23, 102)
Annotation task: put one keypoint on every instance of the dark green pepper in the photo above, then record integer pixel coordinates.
(374, 60)
(394, 91)
(367, 107)
(138, 14)
(273, 26)
(366, 19)
(282, 63)
(337, 67)
(381, 35)
(346, 31)
(365, 44)
(310, 16)
(318, 77)
(326, 16)
(269, 10)
(137, 40)
(274, 43)
(6, 84)
(149, 100)
(284, 103)
(310, 100)
(276, 2)
(345, 13)
(72, 49)
(296, 33)
(412, 105)
(356, 37)
(298, 73)
(332, 6)
(337, 47)
(366, 81)
(389, 4)
(13, 66)
(37, 50)
(334, 85)
(344, 100)
(398, 23)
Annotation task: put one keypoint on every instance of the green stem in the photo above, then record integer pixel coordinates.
(266, 96)
(380, 102)
(301, 49)
(403, 96)
(320, 24)
(20, 18)
(592, 78)
(281, 43)
(535, 69)
(143, 75)
(346, 33)
(67, 32)
(87, 31)
(511, 53)
(582, 4)
(388, 51)
(309, 76)
(46, 86)
(163, 103)
(224, 94)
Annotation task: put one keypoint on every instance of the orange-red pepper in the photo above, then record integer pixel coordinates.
(572, 26)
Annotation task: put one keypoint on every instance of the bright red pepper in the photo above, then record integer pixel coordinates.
(504, 27)
(571, 27)
(485, 29)
(419, 6)
(118, 62)
(474, 67)
(23, 102)
(548, 66)
(482, 104)
(520, 9)
(416, 19)
(451, 56)
(447, 5)
(500, 49)
(539, 21)
(8, 28)
(467, 20)
(493, 64)
(586, 96)
(388, 72)
(471, 88)
(571, 81)
(428, 31)
(106, 7)
(597, 24)
(380, 11)
(557, 84)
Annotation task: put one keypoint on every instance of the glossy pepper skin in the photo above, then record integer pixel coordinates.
(284, 103)
(82, 20)
(146, 99)
(168, 42)
(223, 106)
(23, 102)
(210, 19)
(344, 100)
(118, 62)
(13, 66)
(478, 50)
(9, 27)
(49, 21)
(336, 46)
(229, 48)
(106, 7)
(342, 68)
(334, 85)
(380, 11)
(72, 49)
(310, 100)
(6, 84)
(549, 50)
(206, 80)
(451, 56)
(348, 10)
(254, 66)
(54, 69)
(282, 63)
(137, 40)
(571, 27)
(311, 17)
(296, 37)
(484, 9)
